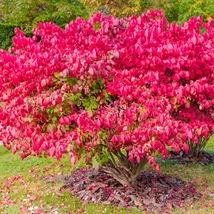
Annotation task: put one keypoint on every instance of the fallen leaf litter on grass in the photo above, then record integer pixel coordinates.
(205, 158)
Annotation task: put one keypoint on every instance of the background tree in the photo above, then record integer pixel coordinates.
(174, 10)
(118, 8)
(26, 14)
(6, 33)
(181, 10)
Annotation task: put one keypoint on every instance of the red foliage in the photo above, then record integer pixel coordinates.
(138, 84)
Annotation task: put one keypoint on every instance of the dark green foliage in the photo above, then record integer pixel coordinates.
(6, 32)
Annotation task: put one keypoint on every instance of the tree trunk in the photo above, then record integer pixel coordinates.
(122, 170)
(195, 149)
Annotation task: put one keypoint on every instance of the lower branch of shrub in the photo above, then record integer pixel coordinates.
(122, 170)
(195, 149)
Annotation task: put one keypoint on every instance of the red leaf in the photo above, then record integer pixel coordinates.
(72, 161)
(14, 149)
(52, 151)
(32, 198)
(189, 134)
(186, 147)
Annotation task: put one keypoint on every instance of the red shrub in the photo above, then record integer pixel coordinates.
(107, 88)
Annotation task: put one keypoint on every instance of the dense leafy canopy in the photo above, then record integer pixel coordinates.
(108, 85)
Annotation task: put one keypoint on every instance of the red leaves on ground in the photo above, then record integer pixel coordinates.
(204, 159)
(32, 198)
(153, 191)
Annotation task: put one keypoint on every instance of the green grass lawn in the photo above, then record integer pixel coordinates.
(23, 188)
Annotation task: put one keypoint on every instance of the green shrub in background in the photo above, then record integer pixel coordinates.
(6, 32)
(189, 8)
(118, 8)
(174, 10)
(27, 13)
(181, 10)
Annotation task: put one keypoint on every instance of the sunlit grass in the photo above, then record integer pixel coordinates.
(31, 192)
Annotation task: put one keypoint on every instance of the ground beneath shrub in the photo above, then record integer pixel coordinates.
(204, 159)
(153, 191)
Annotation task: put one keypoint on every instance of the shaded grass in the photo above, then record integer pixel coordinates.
(24, 189)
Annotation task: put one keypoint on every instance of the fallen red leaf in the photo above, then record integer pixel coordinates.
(32, 198)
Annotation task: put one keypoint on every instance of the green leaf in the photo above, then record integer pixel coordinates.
(56, 74)
(72, 81)
(95, 162)
(54, 119)
(107, 96)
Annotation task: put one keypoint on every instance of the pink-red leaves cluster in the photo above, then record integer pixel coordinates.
(139, 84)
